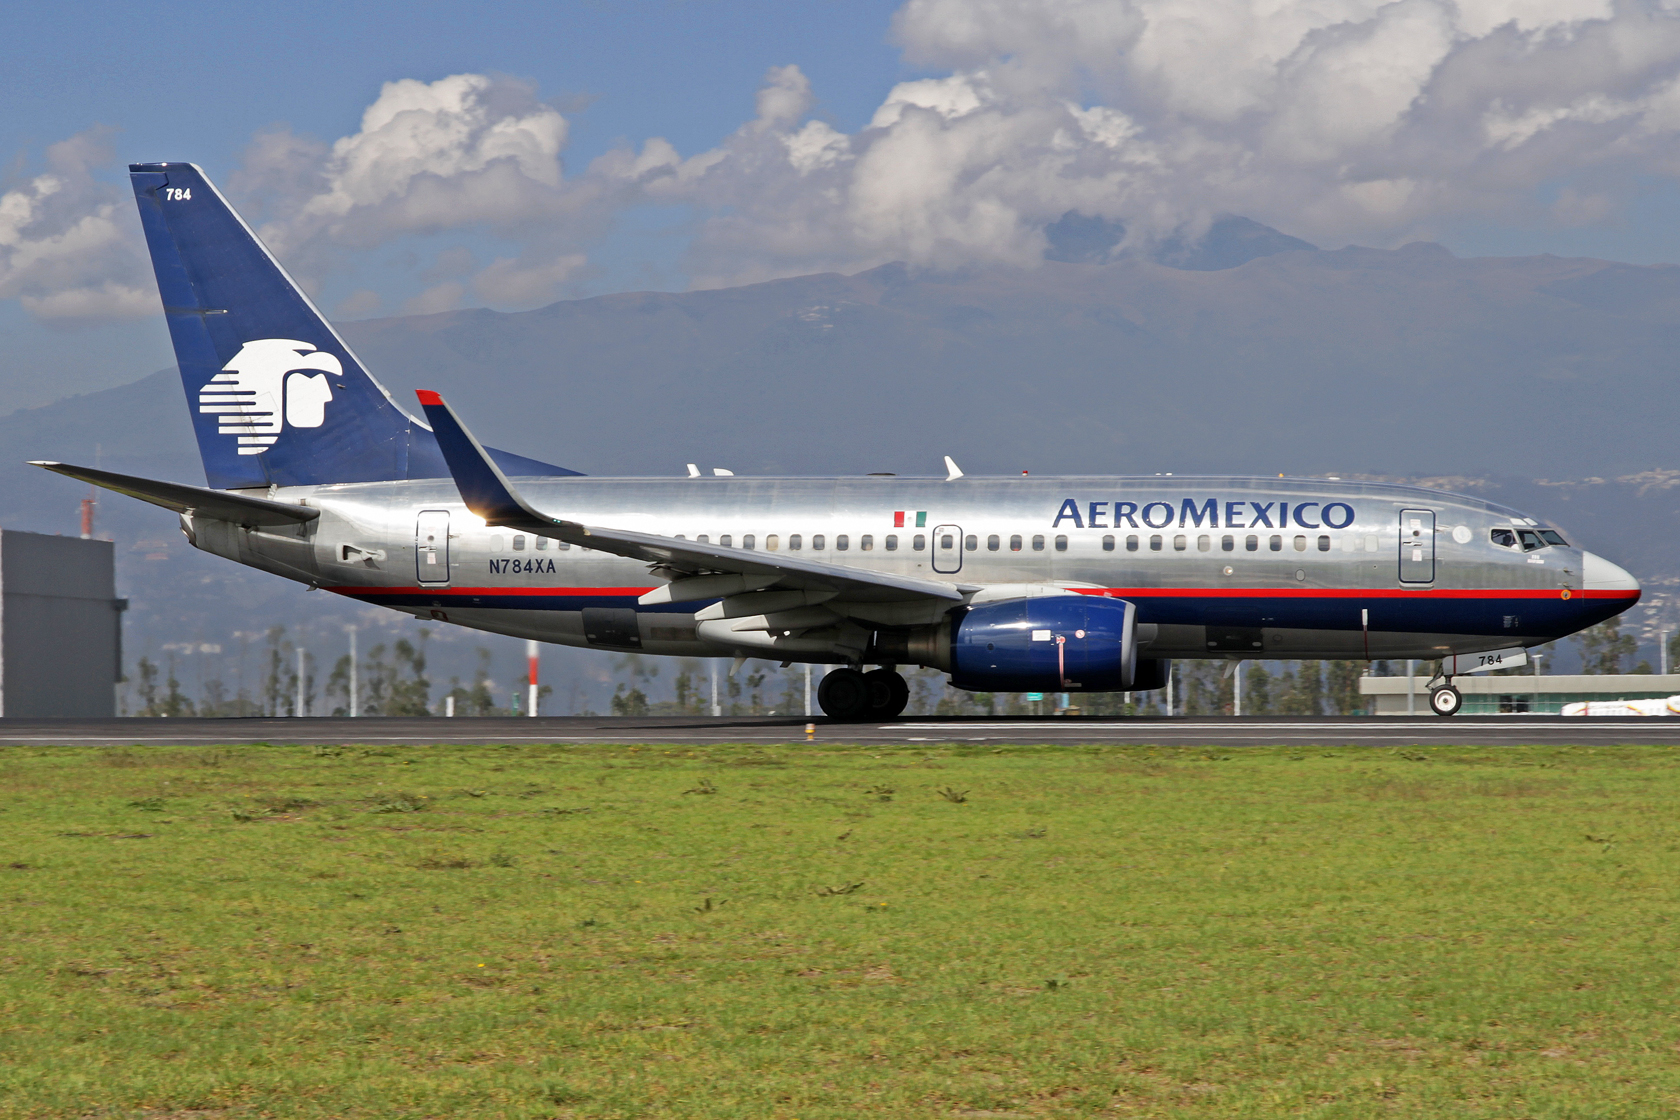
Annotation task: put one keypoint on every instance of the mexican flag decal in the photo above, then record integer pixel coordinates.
(921, 519)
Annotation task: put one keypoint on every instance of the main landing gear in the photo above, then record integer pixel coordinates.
(850, 696)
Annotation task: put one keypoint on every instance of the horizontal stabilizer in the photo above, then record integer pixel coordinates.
(219, 504)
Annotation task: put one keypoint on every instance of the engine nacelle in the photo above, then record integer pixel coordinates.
(1059, 643)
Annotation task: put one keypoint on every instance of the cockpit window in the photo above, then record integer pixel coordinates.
(1527, 539)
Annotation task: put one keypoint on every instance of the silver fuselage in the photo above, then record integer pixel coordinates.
(1218, 567)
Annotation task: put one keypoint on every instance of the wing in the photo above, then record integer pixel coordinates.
(219, 504)
(697, 570)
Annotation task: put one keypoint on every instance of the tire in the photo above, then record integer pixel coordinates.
(844, 695)
(1446, 701)
(888, 693)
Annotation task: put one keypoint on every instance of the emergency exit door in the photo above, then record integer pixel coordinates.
(947, 548)
(431, 546)
(1417, 546)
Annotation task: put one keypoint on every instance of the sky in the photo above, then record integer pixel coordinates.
(418, 157)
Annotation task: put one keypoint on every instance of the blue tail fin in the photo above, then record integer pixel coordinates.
(277, 398)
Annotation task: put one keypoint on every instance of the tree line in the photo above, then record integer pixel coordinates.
(391, 680)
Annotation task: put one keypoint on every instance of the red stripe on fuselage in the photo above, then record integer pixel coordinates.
(1347, 593)
(1109, 592)
(631, 592)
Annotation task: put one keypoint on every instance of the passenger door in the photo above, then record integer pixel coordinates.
(1417, 546)
(431, 546)
(947, 548)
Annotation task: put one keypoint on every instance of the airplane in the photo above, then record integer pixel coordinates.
(1008, 584)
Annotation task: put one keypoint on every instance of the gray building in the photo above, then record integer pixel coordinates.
(60, 626)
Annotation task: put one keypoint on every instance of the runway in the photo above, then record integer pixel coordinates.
(776, 731)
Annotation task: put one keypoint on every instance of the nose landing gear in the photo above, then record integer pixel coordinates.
(850, 696)
(1444, 699)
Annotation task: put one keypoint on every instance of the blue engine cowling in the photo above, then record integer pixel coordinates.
(1060, 643)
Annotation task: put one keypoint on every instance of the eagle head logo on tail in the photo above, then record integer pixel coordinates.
(264, 388)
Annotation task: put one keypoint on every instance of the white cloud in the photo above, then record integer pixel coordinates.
(816, 146)
(464, 152)
(949, 97)
(515, 283)
(467, 151)
(784, 97)
(461, 151)
(1375, 121)
(68, 251)
(438, 298)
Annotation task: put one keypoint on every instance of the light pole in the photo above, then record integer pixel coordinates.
(531, 659)
(354, 709)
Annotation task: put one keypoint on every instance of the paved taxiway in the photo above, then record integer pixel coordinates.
(1218, 732)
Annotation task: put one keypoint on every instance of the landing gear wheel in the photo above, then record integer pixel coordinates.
(1446, 701)
(888, 693)
(844, 695)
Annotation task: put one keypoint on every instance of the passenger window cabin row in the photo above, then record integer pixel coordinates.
(1251, 542)
(1528, 541)
(866, 542)
(541, 544)
(772, 542)
(796, 541)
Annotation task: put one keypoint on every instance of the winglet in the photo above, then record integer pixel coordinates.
(952, 471)
(483, 486)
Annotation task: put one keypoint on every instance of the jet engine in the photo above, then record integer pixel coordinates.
(1058, 643)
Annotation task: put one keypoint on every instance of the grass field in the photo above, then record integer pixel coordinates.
(818, 931)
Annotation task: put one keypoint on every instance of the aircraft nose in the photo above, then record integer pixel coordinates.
(1598, 574)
